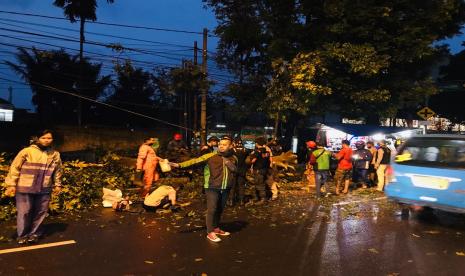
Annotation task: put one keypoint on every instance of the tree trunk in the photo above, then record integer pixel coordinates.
(276, 125)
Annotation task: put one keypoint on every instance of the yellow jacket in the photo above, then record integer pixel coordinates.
(35, 170)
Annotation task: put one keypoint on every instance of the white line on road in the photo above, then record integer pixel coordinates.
(357, 201)
(39, 246)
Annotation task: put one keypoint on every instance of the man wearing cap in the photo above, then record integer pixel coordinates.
(220, 175)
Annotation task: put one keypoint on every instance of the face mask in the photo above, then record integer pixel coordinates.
(43, 147)
(215, 148)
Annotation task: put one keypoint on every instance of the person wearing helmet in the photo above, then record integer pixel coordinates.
(211, 146)
(362, 159)
(176, 147)
(311, 147)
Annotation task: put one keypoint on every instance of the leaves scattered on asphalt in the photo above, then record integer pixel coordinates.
(433, 232)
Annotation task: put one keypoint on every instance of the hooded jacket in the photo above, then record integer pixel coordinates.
(35, 170)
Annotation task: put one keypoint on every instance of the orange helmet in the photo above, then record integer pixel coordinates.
(311, 144)
(177, 136)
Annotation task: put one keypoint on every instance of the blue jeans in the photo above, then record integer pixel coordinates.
(32, 209)
(321, 178)
(216, 201)
(361, 175)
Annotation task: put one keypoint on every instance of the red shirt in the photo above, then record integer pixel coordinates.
(345, 158)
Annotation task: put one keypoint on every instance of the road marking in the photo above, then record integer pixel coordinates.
(33, 247)
(357, 201)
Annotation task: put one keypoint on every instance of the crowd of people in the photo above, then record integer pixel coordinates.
(36, 172)
(364, 167)
(226, 164)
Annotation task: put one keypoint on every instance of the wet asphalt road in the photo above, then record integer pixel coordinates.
(297, 235)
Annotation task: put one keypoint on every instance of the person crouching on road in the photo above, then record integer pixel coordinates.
(163, 197)
(34, 174)
(220, 175)
(147, 161)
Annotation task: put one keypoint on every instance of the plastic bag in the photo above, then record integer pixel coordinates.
(164, 165)
(111, 196)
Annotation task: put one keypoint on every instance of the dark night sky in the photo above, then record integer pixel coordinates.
(187, 15)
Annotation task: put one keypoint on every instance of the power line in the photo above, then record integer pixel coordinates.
(76, 50)
(87, 42)
(109, 24)
(98, 34)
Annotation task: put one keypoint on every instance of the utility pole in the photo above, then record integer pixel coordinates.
(203, 105)
(186, 108)
(195, 96)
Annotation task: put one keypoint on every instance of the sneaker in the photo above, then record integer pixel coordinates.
(213, 237)
(220, 232)
(33, 239)
(22, 240)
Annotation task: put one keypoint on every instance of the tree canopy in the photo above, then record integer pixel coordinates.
(364, 57)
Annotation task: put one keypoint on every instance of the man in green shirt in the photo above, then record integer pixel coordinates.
(320, 160)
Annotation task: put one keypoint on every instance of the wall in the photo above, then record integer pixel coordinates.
(109, 138)
(73, 138)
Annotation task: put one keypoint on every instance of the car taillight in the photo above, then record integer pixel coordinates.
(390, 177)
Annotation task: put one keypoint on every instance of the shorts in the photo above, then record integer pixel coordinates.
(342, 175)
